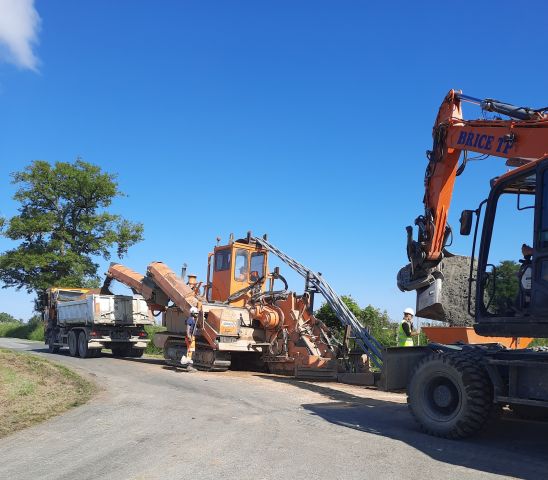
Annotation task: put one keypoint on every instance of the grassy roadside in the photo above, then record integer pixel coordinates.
(33, 389)
(22, 330)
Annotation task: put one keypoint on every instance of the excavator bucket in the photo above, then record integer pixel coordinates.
(445, 295)
(429, 303)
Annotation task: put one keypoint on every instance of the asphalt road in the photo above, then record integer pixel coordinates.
(152, 422)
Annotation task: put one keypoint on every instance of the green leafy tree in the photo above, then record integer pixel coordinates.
(7, 318)
(63, 226)
(34, 321)
(377, 322)
(326, 314)
(506, 287)
(379, 325)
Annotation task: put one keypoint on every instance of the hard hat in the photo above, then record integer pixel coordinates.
(409, 310)
(194, 311)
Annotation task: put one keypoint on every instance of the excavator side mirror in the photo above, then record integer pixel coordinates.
(466, 222)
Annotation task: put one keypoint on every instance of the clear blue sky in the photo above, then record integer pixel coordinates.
(307, 120)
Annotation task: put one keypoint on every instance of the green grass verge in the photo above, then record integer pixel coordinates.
(33, 389)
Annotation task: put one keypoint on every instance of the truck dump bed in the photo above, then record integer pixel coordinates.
(104, 310)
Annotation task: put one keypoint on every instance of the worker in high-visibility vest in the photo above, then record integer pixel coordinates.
(405, 330)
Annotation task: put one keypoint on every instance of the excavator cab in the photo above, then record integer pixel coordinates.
(512, 292)
(234, 267)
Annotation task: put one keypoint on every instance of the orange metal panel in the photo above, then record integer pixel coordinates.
(174, 287)
(467, 335)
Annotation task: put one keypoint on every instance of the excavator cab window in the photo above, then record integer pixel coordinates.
(210, 259)
(539, 260)
(222, 260)
(241, 266)
(543, 234)
(506, 276)
(257, 266)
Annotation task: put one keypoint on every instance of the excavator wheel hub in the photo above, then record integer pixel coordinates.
(442, 396)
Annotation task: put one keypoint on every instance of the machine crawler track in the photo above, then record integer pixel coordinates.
(209, 360)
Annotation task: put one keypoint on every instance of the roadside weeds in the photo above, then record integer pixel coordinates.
(33, 389)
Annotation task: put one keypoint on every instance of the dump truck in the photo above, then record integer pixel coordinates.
(453, 389)
(86, 321)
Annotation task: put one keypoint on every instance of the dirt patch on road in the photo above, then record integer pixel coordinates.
(33, 390)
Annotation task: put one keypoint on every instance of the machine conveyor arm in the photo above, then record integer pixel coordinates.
(368, 344)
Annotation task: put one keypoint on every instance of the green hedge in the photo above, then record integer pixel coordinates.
(22, 330)
(151, 330)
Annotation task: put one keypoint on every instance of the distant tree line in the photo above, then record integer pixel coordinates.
(376, 321)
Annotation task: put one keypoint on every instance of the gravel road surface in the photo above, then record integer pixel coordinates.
(152, 422)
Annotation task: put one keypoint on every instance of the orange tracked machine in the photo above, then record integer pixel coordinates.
(248, 318)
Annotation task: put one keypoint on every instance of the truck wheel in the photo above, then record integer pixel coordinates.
(83, 349)
(450, 395)
(52, 348)
(136, 352)
(73, 343)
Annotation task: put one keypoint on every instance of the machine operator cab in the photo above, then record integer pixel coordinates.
(233, 267)
(511, 281)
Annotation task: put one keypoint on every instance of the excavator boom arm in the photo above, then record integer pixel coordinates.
(523, 138)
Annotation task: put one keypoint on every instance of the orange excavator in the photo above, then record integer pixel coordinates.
(243, 320)
(453, 389)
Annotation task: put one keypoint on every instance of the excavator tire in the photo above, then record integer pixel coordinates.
(450, 394)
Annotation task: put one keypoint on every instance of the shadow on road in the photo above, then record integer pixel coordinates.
(151, 361)
(508, 446)
(64, 352)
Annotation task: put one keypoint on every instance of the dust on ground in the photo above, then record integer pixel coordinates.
(313, 390)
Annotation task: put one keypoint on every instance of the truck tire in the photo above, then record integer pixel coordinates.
(52, 348)
(83, 350)
(73, 343)
(450, 395)
(136, 352)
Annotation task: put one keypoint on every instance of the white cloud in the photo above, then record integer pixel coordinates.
(19, 26)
